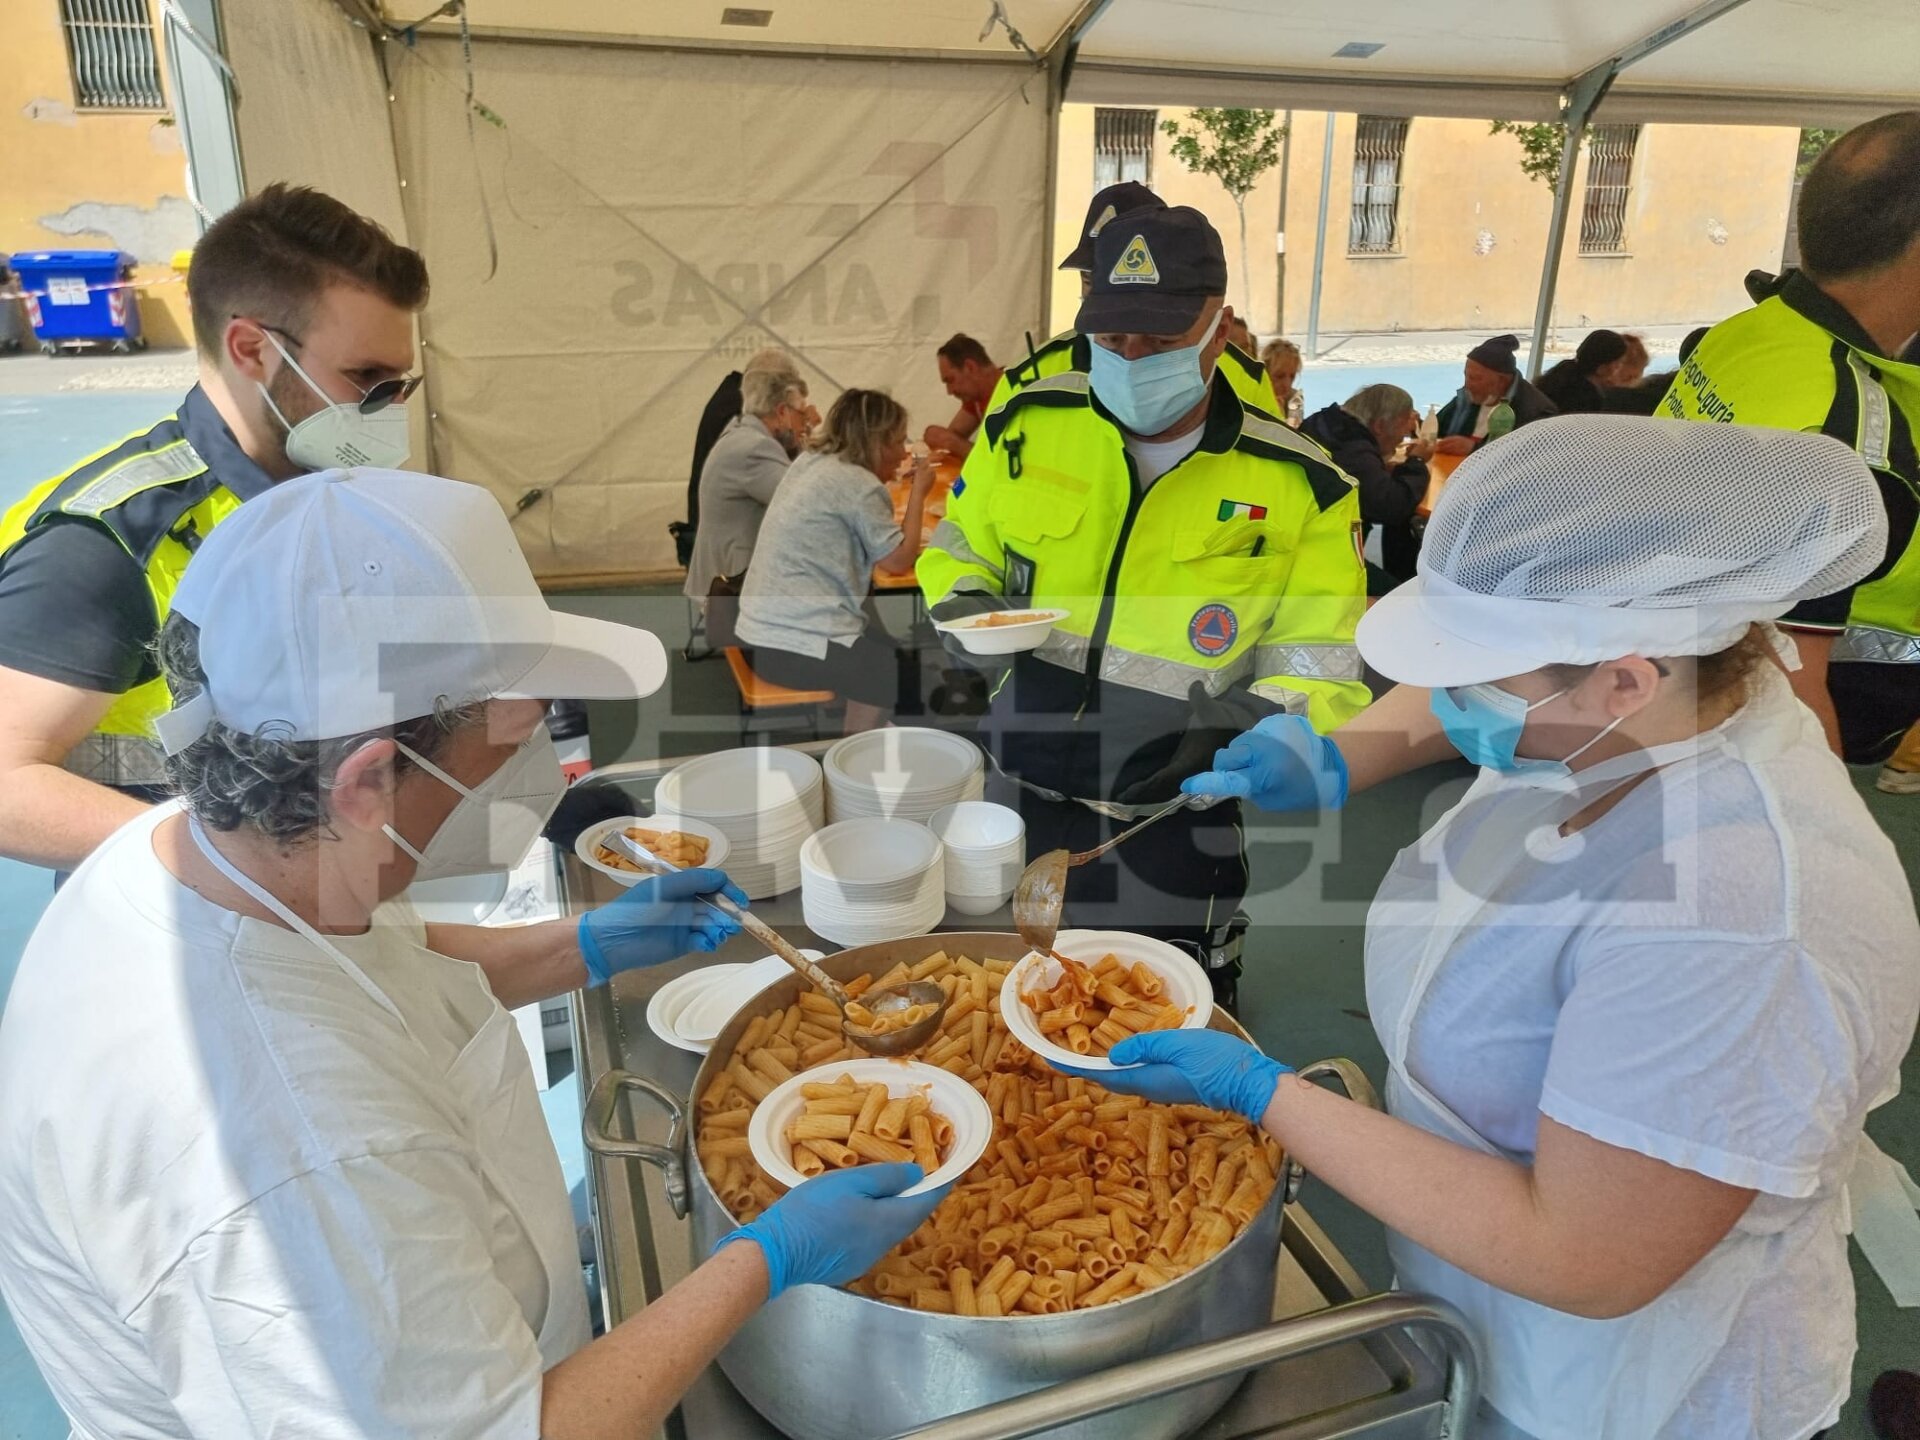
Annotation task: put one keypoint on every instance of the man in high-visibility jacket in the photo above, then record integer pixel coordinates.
(1204, 557)
(1244, 372)
(1816, 353)
(303, 318)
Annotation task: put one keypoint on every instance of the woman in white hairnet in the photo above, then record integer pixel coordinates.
(1639, 987)
(271, 1158)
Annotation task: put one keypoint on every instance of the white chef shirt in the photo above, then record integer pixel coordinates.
(1723, 972)
(235, 1198)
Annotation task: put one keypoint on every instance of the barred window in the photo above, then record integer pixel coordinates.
(115, 63)
(1603, 219)
(1123, 146)
(1379, 147)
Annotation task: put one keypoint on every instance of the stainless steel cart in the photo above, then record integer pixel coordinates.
(1336, 1362)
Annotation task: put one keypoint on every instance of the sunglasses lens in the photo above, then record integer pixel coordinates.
(387, 392)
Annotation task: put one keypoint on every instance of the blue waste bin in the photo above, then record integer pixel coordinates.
(80, 296)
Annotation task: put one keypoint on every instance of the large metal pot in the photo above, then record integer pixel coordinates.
(831, 1365)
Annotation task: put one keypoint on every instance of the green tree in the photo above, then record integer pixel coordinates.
(1813, 144)
(1540, 147)
(1236, 147)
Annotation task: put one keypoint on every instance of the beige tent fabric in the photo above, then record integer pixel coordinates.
(313, 111)
(661, 215)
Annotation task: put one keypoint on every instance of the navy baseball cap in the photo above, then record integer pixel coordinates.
(1153, 273)
(1108, 204)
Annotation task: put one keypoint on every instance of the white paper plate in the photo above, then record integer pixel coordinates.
(946, 1092)
(671, 1000)
(587, 844)
(701, 1022)
(459, 899)
(1186, 984)
(870, 858)
(983, 639)
(734, 784)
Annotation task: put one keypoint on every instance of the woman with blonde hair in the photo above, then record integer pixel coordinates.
(830, 525)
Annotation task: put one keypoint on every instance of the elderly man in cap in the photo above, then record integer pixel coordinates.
(1204, 557)
(291, 1173)
(1493, 380)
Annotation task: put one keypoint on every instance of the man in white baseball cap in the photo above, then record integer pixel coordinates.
(271, 1156)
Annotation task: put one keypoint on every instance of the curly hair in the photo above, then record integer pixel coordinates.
(266, 781)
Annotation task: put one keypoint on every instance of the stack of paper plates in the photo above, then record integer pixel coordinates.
(901, 773)
(765, 800)
(868, 880)
(690, 1010)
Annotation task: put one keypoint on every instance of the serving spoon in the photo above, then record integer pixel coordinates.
(880, 1003)
(1041, 890)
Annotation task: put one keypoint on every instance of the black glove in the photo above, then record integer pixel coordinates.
(959, 606)
(1211, 727)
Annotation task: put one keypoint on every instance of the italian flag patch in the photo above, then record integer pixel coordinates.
(1240, 510)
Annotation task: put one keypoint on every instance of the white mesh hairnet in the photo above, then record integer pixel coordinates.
(1588, 537)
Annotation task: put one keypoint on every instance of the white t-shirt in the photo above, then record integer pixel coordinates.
(1723, 972)
(235, 1198)
(1154, 458)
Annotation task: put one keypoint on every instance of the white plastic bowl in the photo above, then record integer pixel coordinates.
(459, 899)
(587, 844)
(869, 857)
(946, 1092)
(979, 828)
(1186, 983)
(965, 902)
(979, 638)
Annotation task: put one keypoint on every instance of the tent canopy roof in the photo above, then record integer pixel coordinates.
(1800, 62)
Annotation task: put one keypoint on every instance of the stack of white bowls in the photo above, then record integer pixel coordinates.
(901, 773)
(867, 879)
(986, 848)
(766, 800)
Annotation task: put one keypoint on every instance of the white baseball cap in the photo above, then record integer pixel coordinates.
(1588, 537)
(355, 600)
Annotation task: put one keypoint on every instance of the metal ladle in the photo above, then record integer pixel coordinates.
(1042, 888)
(882, 1003)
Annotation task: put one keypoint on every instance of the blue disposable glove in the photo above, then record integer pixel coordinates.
(1280, 764)
(1192, 1067)
(833, 1228)
(656, 920)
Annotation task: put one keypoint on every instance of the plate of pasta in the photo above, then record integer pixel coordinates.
(1096, 988)
(869, 1112)
(1080, 1198)
(1002, 632)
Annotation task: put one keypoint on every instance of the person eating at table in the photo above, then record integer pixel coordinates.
(803, 611)
(971, 377)
(1640, 986)
(272, 1160)
(1493, 400)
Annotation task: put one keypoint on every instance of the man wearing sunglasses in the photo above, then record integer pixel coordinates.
(303, 318)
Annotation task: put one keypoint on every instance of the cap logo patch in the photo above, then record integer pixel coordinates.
(1213, 630)
(1105, 215)
(1135, 266)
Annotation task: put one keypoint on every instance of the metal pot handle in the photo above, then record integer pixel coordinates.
(596, 1127)
(1359, 1089)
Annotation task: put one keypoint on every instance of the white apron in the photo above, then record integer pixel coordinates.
(491, 1081)
(1553, 1375)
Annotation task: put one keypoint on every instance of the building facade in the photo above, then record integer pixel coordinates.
(1432, 225)
(90, 157)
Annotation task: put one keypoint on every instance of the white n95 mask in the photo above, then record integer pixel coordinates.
(495, 824)
(337, 436)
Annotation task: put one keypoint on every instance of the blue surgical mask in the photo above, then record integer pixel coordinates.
(1149, 394)
(1485, 722)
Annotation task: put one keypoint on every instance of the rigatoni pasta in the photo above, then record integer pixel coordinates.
(1083, 1196)
(1092, 1008)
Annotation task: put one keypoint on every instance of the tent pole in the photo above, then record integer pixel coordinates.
(1320, 245)
(1280, 258)
(1575, 112)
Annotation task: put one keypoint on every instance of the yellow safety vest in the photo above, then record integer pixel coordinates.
(1239, 565)
(1248, 376)
(1798, 361)
(154, 494)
